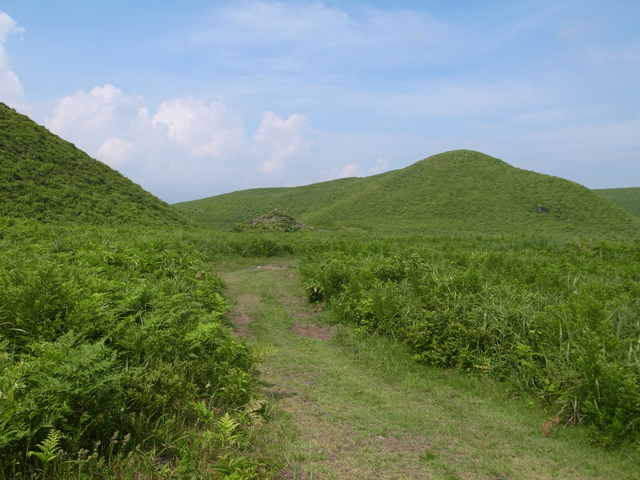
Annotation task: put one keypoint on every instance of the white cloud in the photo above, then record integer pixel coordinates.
(381, 166)
(280, 140)
(8, 26)
(10, 86)
(185, 141)
(115, 152)
(345, 171)
(11, 91)
(88, 111)
(209, 130)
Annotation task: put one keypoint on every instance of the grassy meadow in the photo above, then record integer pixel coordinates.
(457, 278)
(360, 406)
(116, 357)
(557, 320)
(457, 193)
(626, 198)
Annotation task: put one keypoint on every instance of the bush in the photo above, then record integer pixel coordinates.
(106, 333)
(560, 320)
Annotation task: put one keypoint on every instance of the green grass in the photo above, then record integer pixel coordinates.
(117, 362)
(46, 178)
(359, 406)
(274, 221)
(626, 198)
(455, 193)
(115, 357)
(558, 320)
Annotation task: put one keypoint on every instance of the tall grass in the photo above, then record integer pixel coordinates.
(114, 356)
(558, 319)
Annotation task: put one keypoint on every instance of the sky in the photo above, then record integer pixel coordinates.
(199, 98)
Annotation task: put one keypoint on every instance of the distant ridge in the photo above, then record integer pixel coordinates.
(626, 198)
(48, 179)
(460, 192)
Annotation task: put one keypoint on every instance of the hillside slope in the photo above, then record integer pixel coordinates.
(46, 178)
(457, 192)
(626, 198)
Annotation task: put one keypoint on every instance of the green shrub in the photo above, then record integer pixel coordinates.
(560, 320)
(110, 332)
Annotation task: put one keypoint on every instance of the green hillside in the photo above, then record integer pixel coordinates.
(626, 198)
(46, 178)
(457, 192)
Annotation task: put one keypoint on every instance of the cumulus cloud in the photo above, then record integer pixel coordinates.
(280, 139)
(115, 152)
(209, 130)
(11, 91)
(89, 111)
(184, 141)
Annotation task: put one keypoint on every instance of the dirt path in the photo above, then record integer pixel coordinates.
(364, 411)
(303, 376)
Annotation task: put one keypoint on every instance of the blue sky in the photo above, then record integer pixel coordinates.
(200, 98)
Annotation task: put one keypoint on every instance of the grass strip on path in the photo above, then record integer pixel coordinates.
(357, 407)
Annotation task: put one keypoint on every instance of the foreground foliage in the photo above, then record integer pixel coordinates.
(116, 361)
(114, 357)
(558, 319)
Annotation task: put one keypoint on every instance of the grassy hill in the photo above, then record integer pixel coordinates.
(454, 192)
(48, 179)
(626, 198)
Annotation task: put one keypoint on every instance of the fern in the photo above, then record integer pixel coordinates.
(228, 426)
(48, 448)
(251, 412)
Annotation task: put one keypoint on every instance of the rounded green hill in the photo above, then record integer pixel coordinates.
(46, 178)
(457, 192)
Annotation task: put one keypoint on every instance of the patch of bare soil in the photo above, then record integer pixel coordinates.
(239, 317)
(271, 266)
(313, 331)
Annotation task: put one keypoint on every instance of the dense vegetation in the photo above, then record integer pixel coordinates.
(626, 198)
(115, 356)
(455, 193)
(561, 320)
(273, 221)
(114, 353)
(46, 178)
